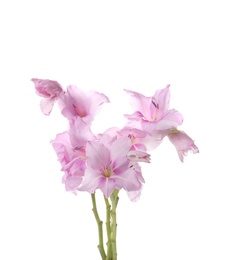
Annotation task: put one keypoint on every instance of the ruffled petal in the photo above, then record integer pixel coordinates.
(46, 105)
(140, 103)
(183, 143)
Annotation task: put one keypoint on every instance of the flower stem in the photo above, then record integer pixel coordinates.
(108, 227)
(114, 202)
(100, 227)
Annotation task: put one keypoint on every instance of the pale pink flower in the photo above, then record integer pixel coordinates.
(70, 150)
(72, 161)
(50, 91)
(82, 104)
(153, 113)
(109, 168)
(136, 136)
(182, 142)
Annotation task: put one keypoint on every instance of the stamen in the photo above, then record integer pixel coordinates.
(154, 102)
(107, 171)
(78, 148)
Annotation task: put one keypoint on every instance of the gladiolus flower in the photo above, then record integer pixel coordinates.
(109, 168)
(153, 113)
(72, 161)
(70, 150)
(136, 137)
(82, 104)
(50, 91)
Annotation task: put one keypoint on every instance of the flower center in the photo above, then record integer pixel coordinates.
(79, 111)
(107, 172)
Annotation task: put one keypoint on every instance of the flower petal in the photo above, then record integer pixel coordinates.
(91, 181)
(134, 195)
(47, 88)
(107, 186)
(73, 182)
(46, 105)
(127, 180)
(171, 120)
(183, 143)
(80, 132)
(163, 97)
(140, 103)
(98, 156)
(120, 148)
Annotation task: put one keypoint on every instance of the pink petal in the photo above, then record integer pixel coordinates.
(63, 148)
(183, 143)
(128, 180)
(73, 182)
(120, 165)
(134, 195)
(152, 141)
(47, 88)
(172, 119)
(140, 103)
(91, 181)
(79, 132)
(129, 131)
(46, 105)
(98, 155)
(120, 148)
(96, 100)
(107, 186)
(163, 97)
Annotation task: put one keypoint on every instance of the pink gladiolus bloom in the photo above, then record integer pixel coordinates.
(109, 168)
(72, 161)
(70, 149)
(82, 104)
(182, 142)
(136, 136)
(50, 91)
(153, 113)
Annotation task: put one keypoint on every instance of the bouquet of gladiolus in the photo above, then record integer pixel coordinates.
(109, 161)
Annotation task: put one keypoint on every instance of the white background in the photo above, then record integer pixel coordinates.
(107, 46)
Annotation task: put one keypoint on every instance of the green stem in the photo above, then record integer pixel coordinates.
(114, 201)
(108, 227)
(100, 227)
